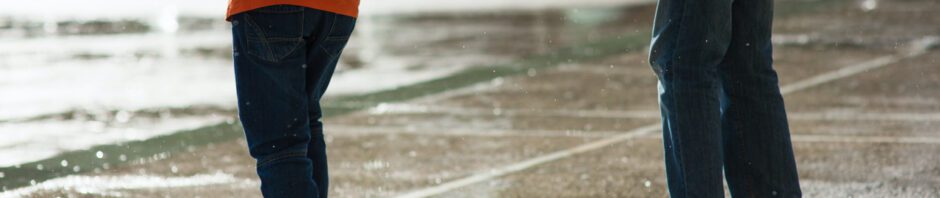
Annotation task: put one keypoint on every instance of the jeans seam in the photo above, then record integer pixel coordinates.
(241, 43)
(678, 144)
(326, 38)
(332, 26)
(262, 37)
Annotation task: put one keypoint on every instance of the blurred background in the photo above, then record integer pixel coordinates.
(481, 98)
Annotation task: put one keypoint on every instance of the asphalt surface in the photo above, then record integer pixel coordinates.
(862, 98)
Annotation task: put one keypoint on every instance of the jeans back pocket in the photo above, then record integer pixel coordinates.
(340, 30)
(274, 32)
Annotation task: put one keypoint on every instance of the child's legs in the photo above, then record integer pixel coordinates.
(270, 82)
(325, 46)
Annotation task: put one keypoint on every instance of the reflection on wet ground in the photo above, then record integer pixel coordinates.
(862, 107)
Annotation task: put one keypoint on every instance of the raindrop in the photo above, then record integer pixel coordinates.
(234, 23)
(39, 167)
(99, 154)
(747, 44)
(32, 182)
(174, 169)
(532, 72)
(64, 163)
(122, 157)
(122, 116)
(410, 153)
(774, 193)
(2, 175)
(76, 168)
(647, 183)
(706, 40)
(303, 66)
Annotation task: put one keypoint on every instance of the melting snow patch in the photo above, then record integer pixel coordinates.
(31, 141)
(113, 185)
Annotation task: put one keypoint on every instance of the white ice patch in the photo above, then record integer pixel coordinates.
(114, 185)
(40, 76)
(93, 9)
(386, 73)
(31, 141)
(66, 86)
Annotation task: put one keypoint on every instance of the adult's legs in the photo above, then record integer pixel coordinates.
(689, 41)
(759, 159)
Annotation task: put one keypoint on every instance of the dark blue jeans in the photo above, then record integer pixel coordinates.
(284, 58)
(721, 105)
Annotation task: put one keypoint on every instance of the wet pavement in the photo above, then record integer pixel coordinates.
(864, 113)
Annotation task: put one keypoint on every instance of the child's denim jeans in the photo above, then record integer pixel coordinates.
(284, 58)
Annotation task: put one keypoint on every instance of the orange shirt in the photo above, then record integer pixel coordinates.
(344, 7)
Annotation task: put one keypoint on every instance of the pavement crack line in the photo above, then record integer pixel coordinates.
(405, 109)
(348, 130)
(869, 139)
(919, 47)
(808, 138)
(804, 138)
